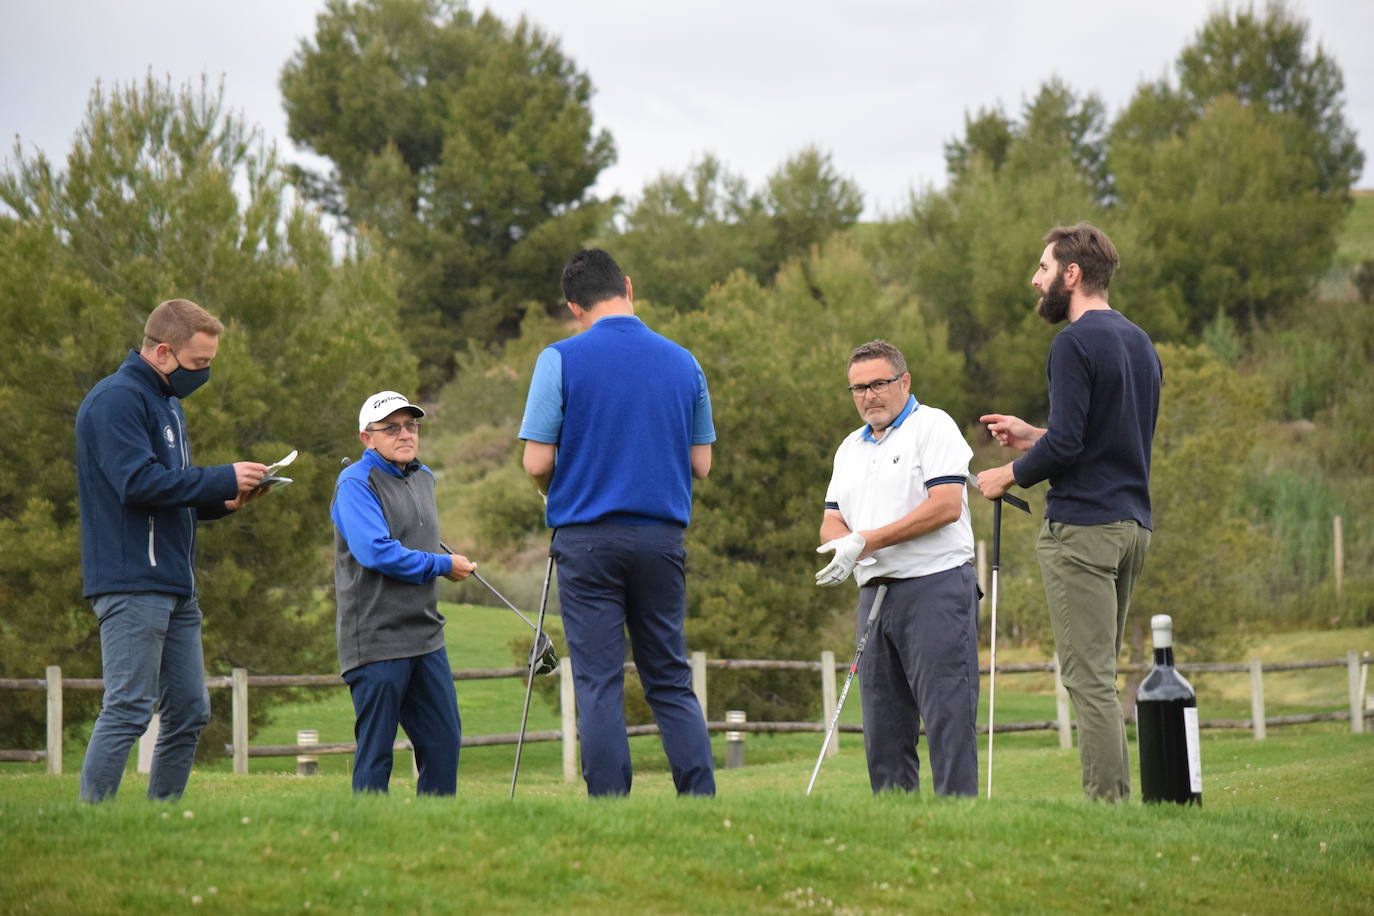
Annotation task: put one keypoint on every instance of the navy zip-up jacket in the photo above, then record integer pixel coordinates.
(140, 495)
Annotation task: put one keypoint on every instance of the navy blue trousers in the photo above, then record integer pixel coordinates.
(417, 694)
(618, 578)
(921, 665)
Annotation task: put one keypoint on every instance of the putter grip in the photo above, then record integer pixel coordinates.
(1016, 501)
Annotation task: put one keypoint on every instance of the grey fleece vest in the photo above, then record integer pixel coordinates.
(381, 618)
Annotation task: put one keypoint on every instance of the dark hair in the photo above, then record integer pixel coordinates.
(1087, 246)
(592, 276)
(176, 321)
(879, 349)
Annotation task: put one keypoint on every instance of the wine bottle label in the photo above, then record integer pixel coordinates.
(1190, 736)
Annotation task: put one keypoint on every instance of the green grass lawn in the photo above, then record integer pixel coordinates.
(1284, 828)
(1355, 243)
(1285, 825)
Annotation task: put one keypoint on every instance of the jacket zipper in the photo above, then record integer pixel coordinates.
(152, 550)
(415, 501)
(191, 513)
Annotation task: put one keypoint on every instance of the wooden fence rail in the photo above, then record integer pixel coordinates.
(1355, 663)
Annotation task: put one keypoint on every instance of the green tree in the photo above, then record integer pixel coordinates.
(689, 231)
(1054, 120)
(1204, 550)
(1230, 215)
(989, 134)
(1263, 59)
(146, 209)
(969, 250)
(807, 202)
(466, 142)
(1237, 178)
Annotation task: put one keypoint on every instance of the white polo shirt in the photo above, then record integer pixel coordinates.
(877, 482)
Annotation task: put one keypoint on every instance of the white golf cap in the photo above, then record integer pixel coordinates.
(382, 405)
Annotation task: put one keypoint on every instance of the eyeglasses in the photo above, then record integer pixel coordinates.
(877, 386)
(394, 429)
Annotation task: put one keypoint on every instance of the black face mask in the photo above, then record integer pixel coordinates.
(183, 381)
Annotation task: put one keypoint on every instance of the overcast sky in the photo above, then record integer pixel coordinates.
(880, 84)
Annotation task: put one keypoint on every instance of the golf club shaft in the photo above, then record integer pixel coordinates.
(849, 679)
(529, 623)
(491, 588)
(992, 640)
(529, 675)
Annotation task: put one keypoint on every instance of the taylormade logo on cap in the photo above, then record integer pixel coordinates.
(383, 404)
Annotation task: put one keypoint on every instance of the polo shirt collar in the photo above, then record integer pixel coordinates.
(609, 319)
(911, 405)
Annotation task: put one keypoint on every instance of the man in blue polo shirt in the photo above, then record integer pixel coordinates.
(617, 423)
(897, 495)
(1105, 378)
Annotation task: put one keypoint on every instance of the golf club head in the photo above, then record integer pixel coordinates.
(543, 658)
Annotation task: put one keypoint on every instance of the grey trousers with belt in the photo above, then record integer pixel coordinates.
(921, 665)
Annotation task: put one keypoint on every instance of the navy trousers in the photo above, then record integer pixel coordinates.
(613, 579)
(921, 665)
(416, 693)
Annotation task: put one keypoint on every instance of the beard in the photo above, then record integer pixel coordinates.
(1054, 304)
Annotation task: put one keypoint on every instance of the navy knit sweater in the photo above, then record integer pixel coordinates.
(1104, 379)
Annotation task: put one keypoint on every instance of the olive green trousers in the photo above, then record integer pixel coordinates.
(1089, 572)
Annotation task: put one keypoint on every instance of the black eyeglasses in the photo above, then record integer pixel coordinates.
(877, 386)
(394, 429)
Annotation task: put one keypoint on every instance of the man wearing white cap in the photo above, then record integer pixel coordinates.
(387, 562)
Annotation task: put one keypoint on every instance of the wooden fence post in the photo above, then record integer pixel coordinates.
(1061, 708)
(699, 681)
(567, 707)
(1352, 666)
(307, 764)
(828, 699)
(54, 685)
(239, 720)
(1338, 551)
(1257, 698)
(1364, 684)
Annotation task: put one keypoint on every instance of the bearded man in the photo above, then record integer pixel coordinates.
(1104, 377)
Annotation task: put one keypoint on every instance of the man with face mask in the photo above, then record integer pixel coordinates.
(141, 499)
(1104, 378)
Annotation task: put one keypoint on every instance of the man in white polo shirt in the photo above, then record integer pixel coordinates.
(897, 495)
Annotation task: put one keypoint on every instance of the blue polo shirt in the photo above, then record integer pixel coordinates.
(624, 405)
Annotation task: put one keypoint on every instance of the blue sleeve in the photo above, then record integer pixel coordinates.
(543, 421)
(1070, 396)
(357, 514)
(703, 425)
(117, 427)
(208, 512)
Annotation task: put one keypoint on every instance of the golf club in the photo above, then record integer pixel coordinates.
(992, 641)
(529, 679)
(849, 679)
(1024, 506)
(542, 651)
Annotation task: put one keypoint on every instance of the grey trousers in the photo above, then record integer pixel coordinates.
(921, 665)
(1089, 573)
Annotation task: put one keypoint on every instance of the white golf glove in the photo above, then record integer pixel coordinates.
(847, 550)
